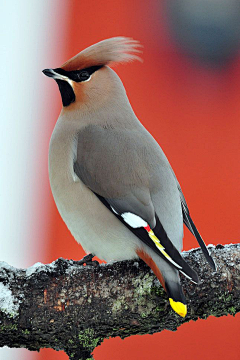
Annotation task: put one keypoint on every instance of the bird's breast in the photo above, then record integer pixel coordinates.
(89, 221)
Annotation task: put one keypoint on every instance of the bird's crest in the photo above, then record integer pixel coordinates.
(113, 50)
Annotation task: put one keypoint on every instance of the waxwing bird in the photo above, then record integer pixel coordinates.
(111, 181)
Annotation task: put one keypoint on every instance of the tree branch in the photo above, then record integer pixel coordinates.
(70, 307)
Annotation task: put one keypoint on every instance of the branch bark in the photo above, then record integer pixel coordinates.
(69, 307)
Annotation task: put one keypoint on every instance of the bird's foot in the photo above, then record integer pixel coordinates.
(87, 260)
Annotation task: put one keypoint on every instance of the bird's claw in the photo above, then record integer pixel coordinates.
(87, 260)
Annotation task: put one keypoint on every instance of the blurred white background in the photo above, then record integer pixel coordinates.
(28, 44)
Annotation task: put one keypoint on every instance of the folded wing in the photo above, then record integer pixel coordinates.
(109, 162)
(191, 226)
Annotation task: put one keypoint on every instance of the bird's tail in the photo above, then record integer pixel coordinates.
(169, 279)
(176, 298)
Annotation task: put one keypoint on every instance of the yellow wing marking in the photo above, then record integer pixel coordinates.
(161, 248)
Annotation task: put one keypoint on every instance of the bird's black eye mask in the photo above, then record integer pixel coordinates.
(78, 75)
(66, 89)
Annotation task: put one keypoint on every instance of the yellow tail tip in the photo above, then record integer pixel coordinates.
(178, 307)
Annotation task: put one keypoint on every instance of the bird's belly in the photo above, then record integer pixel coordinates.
(92, 224)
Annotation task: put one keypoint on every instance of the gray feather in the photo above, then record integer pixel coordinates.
(191, 227)
(129, 169)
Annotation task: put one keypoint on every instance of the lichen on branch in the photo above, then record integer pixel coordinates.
(70, 307)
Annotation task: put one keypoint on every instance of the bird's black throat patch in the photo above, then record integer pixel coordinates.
(66, 91)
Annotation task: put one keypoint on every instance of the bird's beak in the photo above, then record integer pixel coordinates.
(49, 72)
(53, 74)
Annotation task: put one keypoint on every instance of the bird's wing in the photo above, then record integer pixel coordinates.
(191, 226)
(111, 163)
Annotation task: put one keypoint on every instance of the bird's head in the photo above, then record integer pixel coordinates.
(86, 77)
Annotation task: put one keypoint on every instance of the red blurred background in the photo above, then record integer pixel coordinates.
(192, 108)
(189, 101)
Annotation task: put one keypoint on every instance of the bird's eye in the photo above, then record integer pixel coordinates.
(84, 75)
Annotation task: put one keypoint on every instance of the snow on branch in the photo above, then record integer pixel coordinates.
(70, 307)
